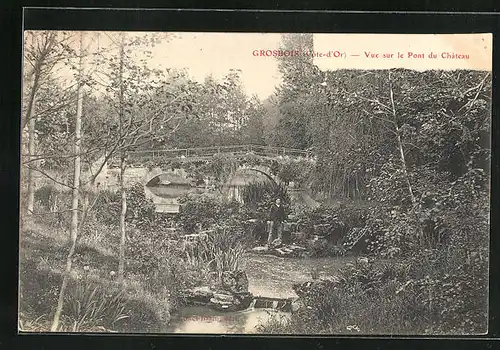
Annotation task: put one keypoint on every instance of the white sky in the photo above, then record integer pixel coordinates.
(202, 54)
(216, 53)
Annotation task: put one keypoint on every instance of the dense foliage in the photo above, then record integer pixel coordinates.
(416, 144)
(201, 211)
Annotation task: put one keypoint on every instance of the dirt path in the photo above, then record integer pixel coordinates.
(273, 276)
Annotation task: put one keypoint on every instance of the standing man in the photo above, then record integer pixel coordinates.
(276, 217)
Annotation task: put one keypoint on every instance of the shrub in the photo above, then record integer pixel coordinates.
(323, 248)
(294, 170)
(224, 250)
(205, 210)
(324, 221)
(219, 251)
(410, 296)
(141, 212)
(38, 288)
(198, 210)
(89, 305)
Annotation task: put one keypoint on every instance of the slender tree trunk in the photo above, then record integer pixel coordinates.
(404, 166)
(30, 115)
(121, 260)
(75, 194)
(32, 101)
(31, 121)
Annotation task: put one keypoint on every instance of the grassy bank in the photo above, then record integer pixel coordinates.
(427, 294)
(94, 300)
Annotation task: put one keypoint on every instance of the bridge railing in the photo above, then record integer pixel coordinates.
(203, 152)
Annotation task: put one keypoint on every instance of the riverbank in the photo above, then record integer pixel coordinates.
(136, 307)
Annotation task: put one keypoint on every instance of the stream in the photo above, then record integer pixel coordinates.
(268, 276)
(195, 319)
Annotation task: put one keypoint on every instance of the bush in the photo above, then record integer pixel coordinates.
(297, 171)
(141, 212)
(88, 305)
(412, 296)
(205, 210)
(331, 222)
(108, 207)
(224, 250)
(198, 210)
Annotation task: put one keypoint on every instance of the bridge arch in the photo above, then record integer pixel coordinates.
(244, 175)
(151, 175)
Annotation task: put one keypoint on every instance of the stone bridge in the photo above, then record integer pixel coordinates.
(164, 184)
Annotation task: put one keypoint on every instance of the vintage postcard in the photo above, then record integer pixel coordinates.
(255, 183)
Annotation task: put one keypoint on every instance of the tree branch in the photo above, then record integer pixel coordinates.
(50, 177)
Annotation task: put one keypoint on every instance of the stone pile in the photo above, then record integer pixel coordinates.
(283, 250)
(230, 295)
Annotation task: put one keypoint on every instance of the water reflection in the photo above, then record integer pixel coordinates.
(170, 191)
(203, 320)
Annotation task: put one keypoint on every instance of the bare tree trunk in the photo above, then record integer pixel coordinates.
(404, 167)
(30, 119)
(75, 194)
(31, 150)
(121, 260)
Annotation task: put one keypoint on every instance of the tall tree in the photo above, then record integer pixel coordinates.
(42, 51)
(145, 110)
(300, 76)
(123, 155)
(75, 192)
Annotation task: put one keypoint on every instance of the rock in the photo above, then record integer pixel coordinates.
(276, 244)
(235, 281)
(280, 251)
(363, 260)
(260, 249)
(223, 297)
(229, 301)
(297, 305)
(198, 295)
(296, 247)
(301, 289)
(315, 238)
(245, 299)
(224, 302)
(298, 236)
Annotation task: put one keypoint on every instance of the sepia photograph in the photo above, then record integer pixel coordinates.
(255, 183)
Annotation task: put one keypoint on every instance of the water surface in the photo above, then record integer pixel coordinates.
(197, 319)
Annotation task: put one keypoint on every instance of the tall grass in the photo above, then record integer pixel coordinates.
(89, 305)
(219, 251)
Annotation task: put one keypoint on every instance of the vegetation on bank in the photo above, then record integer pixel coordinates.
(160, 263)
(417, 144)
(411, 150)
